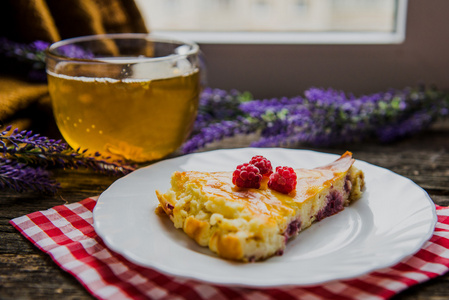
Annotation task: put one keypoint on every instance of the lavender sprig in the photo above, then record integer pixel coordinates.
(30, 55)
(31, 154)
(33, 53)
(217, 105)
(20, 177)
(322, 117)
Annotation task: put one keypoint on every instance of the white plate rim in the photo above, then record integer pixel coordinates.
(107, 236)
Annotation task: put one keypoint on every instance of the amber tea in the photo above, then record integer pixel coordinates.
(140, 113)
(139, 120)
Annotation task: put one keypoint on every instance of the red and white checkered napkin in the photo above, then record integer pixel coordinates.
(66, 233)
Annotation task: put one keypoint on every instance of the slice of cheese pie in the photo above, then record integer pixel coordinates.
(248, 224)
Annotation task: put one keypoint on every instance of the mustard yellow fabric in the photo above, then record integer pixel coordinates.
(26, 104)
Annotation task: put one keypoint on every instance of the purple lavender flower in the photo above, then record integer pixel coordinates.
(20, 177)
(406, 127)
(33, 52)
(30, 56)
(26, 156)
(323, 117)
(40, 46)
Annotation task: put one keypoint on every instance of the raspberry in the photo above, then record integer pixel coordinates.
(283, 180)
(247, 176)
(263, 164)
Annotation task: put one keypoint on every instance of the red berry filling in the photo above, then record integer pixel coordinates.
(283, 180)
(247, 176)
(263, 164)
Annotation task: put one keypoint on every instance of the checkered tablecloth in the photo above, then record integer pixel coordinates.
(66, 233)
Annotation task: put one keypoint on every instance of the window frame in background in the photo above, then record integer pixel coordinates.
(396, 36)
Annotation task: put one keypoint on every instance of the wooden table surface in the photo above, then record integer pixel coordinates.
(27, 273)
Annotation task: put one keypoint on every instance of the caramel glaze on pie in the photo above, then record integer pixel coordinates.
(248, 224)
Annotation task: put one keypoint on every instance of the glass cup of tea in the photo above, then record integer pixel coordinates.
(129, 96)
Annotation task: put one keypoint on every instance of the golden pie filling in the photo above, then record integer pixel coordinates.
(248, 224)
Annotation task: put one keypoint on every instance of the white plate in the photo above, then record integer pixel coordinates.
(392, 220)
